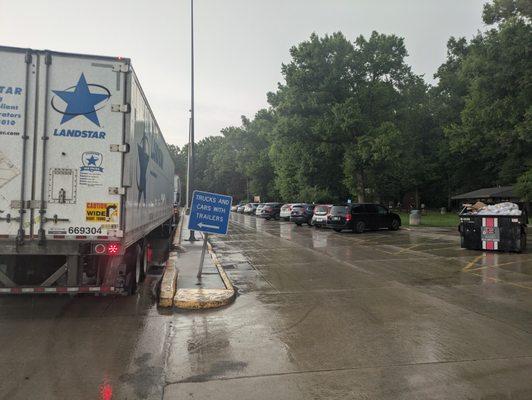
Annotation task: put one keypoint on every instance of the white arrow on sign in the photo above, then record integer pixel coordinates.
(202, 225)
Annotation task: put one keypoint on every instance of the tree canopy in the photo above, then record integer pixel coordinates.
(352, 120)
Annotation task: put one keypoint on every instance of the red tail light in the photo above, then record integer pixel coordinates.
(113, 249)
(348, 217)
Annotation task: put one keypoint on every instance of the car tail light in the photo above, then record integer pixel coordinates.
(113, 249)
(348, 217)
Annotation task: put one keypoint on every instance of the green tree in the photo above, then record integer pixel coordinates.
(491, 79)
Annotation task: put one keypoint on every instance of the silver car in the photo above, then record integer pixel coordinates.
(321, 212)
(250, 208)
(286, 209)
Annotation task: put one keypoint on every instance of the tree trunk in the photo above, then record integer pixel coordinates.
(361, 186)
(449, 203)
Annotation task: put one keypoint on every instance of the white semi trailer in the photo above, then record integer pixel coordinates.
(86, 178)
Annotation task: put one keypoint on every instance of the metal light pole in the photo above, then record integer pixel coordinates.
(190, 180)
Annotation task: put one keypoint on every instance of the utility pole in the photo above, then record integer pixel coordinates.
(190, 178)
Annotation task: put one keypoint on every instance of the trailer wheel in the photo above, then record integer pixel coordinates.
(145, 262)
(134, 274)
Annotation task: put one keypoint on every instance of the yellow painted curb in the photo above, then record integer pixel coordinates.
(194, 299)
(177, 239)
(221, 271)
(169, 279)
(169, 282)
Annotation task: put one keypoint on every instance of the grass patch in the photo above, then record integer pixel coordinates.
(435, 219)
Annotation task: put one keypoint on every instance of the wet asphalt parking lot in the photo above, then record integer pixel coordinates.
(320, 315)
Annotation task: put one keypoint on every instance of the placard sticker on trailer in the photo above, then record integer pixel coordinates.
(8, 170)
(101, 212)
(91, 172)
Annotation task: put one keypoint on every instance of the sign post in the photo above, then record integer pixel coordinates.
(209, 213)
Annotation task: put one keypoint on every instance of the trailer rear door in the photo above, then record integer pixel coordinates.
(78, 172)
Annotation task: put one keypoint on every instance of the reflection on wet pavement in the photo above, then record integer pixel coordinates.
(391, 315)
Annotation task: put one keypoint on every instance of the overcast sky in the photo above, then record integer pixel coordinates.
(240, 44)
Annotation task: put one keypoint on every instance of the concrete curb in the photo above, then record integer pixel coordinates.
(169, 279)
(194, 299)
(169, 282)
(227, 282)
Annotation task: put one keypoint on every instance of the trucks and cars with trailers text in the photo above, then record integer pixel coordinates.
(86, 177)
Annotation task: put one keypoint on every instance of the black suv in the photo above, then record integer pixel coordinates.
(302, 214)
(269, 211)
(360, 217)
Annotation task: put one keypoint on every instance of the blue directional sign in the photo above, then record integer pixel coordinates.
(209, 212)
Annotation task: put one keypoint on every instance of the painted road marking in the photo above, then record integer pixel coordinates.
(472, 263)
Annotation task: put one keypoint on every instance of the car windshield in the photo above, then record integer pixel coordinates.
(339, 210)
(321, 210)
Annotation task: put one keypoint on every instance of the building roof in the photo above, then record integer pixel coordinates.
(499, 192)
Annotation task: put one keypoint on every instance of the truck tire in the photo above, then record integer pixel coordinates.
(134, 268)
(337, 229)
(145, 264)
(359, 227)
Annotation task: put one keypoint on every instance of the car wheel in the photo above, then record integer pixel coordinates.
(298, 224)
(395, 224)
(337, 230)
(309, 223)
(360, 226)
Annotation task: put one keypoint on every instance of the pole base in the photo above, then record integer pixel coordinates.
(191, 237)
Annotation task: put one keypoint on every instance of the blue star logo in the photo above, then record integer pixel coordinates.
(81, 101)
(92, 160)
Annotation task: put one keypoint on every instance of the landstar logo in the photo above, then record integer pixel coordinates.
(82, 100)
(92, 161)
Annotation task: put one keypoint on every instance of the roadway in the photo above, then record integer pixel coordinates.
(319, 315)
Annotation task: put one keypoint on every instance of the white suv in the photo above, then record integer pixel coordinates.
(286, 209)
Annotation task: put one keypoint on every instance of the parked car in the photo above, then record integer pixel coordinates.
(361, 217)
(302, 214)
(270, 210)
(259, 208)
(319, 219)
(286, 209)
(250, 208)
(240, 208)
(234, 207)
